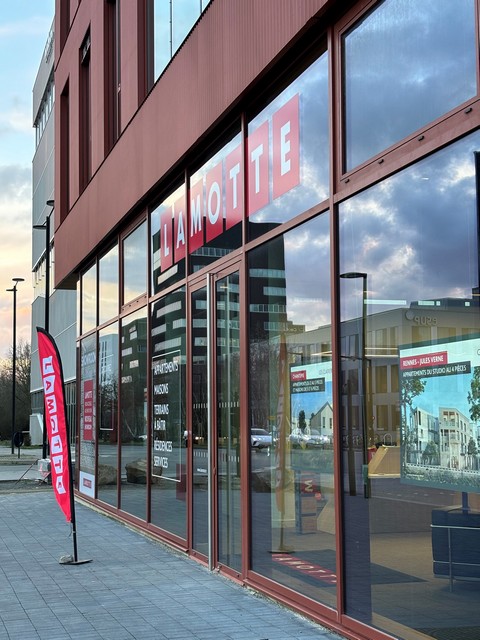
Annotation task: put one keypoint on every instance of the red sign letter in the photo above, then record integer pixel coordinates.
(258, 187)
(286, 147)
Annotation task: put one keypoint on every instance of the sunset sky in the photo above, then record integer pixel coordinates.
(24, 27)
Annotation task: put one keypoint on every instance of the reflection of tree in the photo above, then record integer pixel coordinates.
(108, 395)
(431, 455)
(302, 423)
(472, 452)
(473, 396)
(260, 365)
(411, 388)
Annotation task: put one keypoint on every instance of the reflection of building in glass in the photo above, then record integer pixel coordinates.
(322, 421)
(133, 378)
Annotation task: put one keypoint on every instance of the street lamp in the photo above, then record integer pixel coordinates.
(351, 275)
(14, 356)
(46, 227)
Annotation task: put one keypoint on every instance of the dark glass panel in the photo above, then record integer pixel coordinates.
(216, 206)
(288, 152)
(405, 64)
(133, 414)
(168, 471)
(135, 263)
(89, 299)
(108, 414)
(291, 411)
(409, 266)
(108, 286)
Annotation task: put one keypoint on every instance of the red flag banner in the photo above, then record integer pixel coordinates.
(56, 422)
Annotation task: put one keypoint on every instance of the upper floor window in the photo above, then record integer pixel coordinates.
(44, 111)
(170, 23)
(406, 63)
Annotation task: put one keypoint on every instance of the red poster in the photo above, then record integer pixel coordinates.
(56, 422)
(88, 410)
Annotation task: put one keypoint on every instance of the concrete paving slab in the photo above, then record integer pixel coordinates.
(151, 593)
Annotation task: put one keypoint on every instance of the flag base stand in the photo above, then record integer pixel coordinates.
(69, 560)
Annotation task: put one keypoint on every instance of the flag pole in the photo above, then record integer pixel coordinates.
(58, 433)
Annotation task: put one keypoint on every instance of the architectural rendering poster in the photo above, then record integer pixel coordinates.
(440, 414)
(311, 400)
(167, 416)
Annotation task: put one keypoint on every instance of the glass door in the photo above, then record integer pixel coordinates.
(215, 384)
(227, 402)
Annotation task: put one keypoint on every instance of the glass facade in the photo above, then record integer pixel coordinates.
(287, 155)
(410, 328)
(391, 90)
(290, 365)
(135, 264)
(289, 388)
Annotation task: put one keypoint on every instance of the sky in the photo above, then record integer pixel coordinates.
(24, 28)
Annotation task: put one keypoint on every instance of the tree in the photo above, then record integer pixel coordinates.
(473, 396)
(22, 390)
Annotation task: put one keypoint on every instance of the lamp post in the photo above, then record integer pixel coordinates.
(46, 227)
(350, 275)
(14, 357)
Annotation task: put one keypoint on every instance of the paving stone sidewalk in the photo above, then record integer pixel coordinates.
(133, 588)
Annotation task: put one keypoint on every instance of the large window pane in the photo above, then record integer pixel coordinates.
(108, 286)
(410, 338)
(108, 413)
(168, 233)
(293, 519)
(135, 263)
(405, 64)
(288, 152)
(89, 299)
(216, 206)
(168, 471)
(133, 403)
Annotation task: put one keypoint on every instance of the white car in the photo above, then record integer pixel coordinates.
(260, 438)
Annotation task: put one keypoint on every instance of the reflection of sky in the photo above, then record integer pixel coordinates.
(312, 87)
(307, 272)
(392, 89)
(414, 234)
(445, 391)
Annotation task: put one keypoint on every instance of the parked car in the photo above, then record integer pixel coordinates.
(260, 438)
(315, 439)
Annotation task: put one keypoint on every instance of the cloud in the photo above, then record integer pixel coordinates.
(15, 251)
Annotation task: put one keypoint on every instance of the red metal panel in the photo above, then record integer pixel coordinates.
(234, 42)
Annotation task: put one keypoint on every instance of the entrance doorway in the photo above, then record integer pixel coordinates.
(215, 386)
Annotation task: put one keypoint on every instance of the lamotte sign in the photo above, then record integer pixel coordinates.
(55, 420)
(216, 200)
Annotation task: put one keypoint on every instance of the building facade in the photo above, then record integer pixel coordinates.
(269, 211)
(51, 308)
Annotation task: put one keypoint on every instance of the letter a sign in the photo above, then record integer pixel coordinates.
(56, 421)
